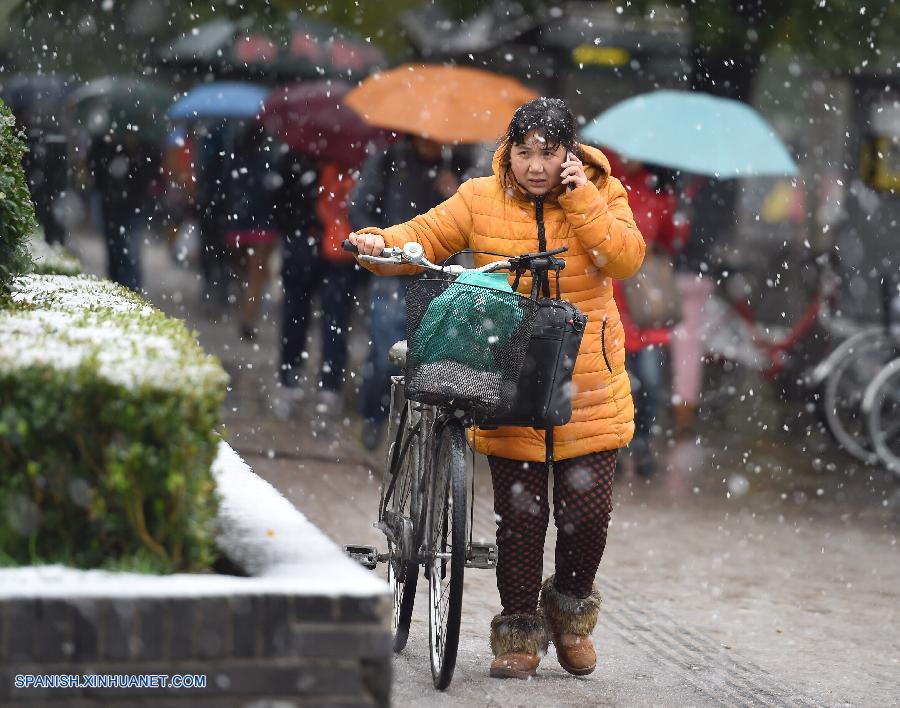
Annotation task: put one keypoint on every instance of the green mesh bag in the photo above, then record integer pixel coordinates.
(467, 341)
(469, 321)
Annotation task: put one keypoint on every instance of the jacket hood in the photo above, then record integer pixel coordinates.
(596, 167)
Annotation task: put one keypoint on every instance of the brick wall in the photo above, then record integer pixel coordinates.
(307, 627)
(303, 650)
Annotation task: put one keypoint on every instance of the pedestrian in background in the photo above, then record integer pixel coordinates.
(210, 203)
(125, 170)
(250, 231)
(312, 216)
(695, 284)
(547, 191)
(654, 203)
(412, 176)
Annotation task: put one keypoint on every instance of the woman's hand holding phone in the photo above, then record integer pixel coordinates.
(573, 172)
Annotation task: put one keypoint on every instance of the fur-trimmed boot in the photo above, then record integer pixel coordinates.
(518, 643)
(570, 621)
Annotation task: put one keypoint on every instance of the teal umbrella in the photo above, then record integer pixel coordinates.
(693, 132)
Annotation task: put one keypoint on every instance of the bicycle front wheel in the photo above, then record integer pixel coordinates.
(883, 405)
(446, 550)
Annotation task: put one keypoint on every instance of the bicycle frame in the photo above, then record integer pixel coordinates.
(423, 424)
(431, 421)
(765, 348)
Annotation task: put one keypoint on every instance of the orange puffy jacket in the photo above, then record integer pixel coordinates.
(596, 223)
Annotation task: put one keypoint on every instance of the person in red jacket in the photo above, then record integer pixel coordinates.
(655, 208)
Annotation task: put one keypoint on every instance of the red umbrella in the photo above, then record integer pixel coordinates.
(311, 119)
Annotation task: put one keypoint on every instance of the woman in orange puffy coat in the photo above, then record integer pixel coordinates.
(547, 191)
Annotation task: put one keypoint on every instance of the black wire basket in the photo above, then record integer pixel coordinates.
(466, 344)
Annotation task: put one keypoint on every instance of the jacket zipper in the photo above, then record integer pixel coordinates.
(603, 343)
(542, 242)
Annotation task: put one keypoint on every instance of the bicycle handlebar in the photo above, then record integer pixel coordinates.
(412, 253)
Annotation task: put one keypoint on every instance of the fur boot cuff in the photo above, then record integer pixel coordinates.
(525, 634)
(569, 615)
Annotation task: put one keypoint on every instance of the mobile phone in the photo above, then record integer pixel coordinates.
(570, 186)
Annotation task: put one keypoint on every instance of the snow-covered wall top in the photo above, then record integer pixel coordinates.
(64, 322)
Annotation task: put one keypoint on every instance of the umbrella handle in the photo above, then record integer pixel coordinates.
(349, 246)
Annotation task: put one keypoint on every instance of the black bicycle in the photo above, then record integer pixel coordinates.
(425, 508)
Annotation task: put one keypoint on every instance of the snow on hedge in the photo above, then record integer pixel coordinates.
(63, 322)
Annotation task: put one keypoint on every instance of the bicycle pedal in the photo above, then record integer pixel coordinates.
(482, 555)
(366, 556)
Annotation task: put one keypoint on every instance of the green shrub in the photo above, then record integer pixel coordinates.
(16, 208)
(108, 413)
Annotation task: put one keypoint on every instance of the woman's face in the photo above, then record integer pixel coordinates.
(536, 167)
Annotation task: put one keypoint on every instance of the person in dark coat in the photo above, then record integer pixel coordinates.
(124, 171)
(410, 178)
(307, 211)
(210, 203)
(250, 231)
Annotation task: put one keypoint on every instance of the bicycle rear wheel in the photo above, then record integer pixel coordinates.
(397, 511)
(446, 550)
(883, 406)
(844, 390)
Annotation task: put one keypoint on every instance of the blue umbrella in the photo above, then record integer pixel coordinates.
(220, 99)
(693, 132)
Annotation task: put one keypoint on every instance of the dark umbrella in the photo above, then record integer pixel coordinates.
(122, 104)
(311, 119)
(296, 49)
(35, 99)
(331, 50)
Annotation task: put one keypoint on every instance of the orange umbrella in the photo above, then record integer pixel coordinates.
(449, 104)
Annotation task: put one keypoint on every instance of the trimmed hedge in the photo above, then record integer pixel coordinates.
(108, 413)
(17, 219)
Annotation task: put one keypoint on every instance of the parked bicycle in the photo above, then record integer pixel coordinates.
(881, 408)
(735, 333)
(426, 503)
(849, 378)
(736, 338)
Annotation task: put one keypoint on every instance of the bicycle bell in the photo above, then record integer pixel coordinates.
(413, 252)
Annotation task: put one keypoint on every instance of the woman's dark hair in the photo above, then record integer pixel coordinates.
(551, 117)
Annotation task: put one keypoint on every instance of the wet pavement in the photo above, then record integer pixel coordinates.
(759, 567)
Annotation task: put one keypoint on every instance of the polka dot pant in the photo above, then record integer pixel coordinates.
(582, 500)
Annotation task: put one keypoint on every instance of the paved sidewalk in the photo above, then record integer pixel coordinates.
(760, 569)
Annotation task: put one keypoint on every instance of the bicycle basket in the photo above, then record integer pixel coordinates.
(466, 343)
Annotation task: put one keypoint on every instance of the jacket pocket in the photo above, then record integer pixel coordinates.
(603, 344)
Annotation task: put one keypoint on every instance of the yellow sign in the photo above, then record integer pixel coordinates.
(880, 164)
(599, 56)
